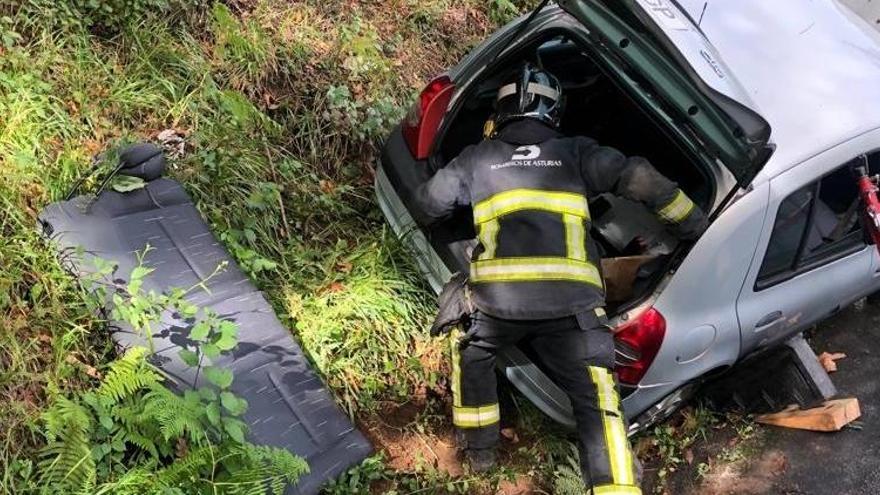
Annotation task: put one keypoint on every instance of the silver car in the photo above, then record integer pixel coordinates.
(759, 110)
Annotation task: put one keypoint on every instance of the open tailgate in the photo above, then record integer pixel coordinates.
(659, 41)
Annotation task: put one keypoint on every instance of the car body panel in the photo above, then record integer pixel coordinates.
(812, 69)
(773, 314)
(720, 260)
(656, 40)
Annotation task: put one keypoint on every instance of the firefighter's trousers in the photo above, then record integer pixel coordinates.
(578, 353)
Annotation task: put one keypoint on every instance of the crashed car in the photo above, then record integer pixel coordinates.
(759, 110)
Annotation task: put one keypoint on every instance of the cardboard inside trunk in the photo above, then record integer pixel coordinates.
(620, 274)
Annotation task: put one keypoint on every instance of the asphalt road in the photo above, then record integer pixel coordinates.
(846, 462)
(787, 461)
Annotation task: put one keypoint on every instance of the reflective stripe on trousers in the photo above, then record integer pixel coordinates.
(616, 441)
(467, 416)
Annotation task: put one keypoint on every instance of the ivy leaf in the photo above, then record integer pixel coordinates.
(226, 342)
(234, 428)
(219, 376)
(189, 357)
(213, 413)
(127, 183)
(210, 350)
(227, 327)
(200, 331)
(208, 394)
(187, 310)
(235, 405)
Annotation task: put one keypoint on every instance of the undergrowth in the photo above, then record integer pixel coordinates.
(279, 106)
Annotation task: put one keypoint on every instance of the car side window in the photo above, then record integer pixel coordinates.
(816, 224)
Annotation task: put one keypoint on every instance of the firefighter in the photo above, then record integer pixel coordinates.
(535, 270)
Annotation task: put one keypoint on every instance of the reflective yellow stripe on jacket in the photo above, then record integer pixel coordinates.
(575, 212)
(514, 200)
(534, 269)
(615, 490)
(677, 210)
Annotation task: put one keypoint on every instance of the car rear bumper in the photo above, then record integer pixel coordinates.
(395, 173)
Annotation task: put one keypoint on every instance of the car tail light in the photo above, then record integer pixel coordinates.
(423, 120)
(637, 343)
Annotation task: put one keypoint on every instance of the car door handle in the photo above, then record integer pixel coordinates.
(768, 320)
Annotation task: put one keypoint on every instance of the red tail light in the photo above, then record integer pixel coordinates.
(638, 342)
(421, 124)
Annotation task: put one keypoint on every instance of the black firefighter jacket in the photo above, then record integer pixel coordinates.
(529, 189)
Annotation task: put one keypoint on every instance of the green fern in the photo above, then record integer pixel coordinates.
(127, 376)
(186, 469)
(67, 461)
(567, 477)
(266, 470)
(176, 416)
(132, 435)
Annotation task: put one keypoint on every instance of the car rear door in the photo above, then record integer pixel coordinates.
(813, 257)
(663, 50)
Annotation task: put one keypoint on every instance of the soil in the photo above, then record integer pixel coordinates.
(522, 485)
(417, 436)
(408, 448)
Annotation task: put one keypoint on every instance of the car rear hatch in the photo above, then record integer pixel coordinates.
(657, 40)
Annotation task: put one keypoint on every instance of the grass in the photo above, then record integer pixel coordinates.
(281, 106)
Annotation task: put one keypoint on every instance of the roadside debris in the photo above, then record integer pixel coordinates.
(833, 415)
(173, 141)
(828, 360)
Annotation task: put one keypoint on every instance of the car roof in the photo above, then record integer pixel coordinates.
(812, 68)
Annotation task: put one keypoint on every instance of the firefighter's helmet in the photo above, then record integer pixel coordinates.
(532, 93)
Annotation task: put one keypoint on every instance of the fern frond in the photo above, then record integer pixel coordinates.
(137, 481)
(567, 477)
(175, 416)
(128, 375)
(264, 469)
(67, 461)
(197, 461)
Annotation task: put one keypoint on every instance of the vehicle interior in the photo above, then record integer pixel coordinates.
(596, 107)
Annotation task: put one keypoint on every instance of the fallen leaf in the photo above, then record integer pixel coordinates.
(334, 287)
(181, 449)
(327, 186)
(510, 435)
(270, 101)
(827, 360)
(344, 266)
(689, 456)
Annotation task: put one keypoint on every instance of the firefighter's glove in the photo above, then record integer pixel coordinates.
(455, 306)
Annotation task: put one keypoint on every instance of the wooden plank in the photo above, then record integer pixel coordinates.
(831, 416)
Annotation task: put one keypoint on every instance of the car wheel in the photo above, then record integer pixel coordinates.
(663, 409)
